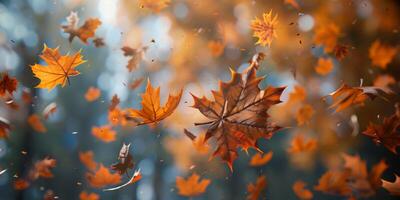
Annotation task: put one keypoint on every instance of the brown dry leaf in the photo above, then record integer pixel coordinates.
(4, 128)
(114, 102)
(136, 56)
(86, 31)
(88, 196)
(41, 169)
(152, 111)
(238, 115)
(347, 96)
(381, 54)
(104, 133)
(154, 5)
(98, 42)
(92, 94)
(327, 36)
(21, 184)
(260, 159)
(324, 66)
(102, 177)
(393, 188)
(387, 133)
(192, 186)
(304, 114)
(59, 68)
(125, 160)
(265, 29)
(301, 192)
(7, 84)
(36, 124)
(49, 110)
(256, 189)
(299, 144)
(87, 159)
(216, 48)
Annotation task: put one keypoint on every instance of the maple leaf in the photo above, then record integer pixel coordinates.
(387, 133)
(199, 142)
(92, 94)
(152, 111)
(327, 36)
(136, 56)
(117, 116)
(154, 5)
(334, 182)
(59, 68)
(104, 133)
(340, 51)
(299, 144)
(192, 186)
(4, 127)
(265, 29)
(87, 159)
(114, 102)
(260, 159)
(392, 187)
(239, 112)
(86, 31)
(42, 169)
(346, 96)
(7, 84)
(125, 160)
(98, 42)
(255, 189)
(102, 177)
(88, 196)
(381, 54)
(21, 184)
(304, 114)
(301, 192)
(324, 66)
(36, 124)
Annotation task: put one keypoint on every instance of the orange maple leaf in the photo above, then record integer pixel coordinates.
(301, 192)
(86, 31)
(88, 196)
(381, 54)
(152, 111)
(104, 133)
(59, 68)
(256, 189)
(41, 169)
(260, 159)
(327, 36)
(21, 184)
(238, 115)
(324, 66)
(304, 114)
(265, 29)
(192, 186)
(87, 160)
(136, 56)
(92, 94)
(299, 144)
(37, 125)
(102, 177)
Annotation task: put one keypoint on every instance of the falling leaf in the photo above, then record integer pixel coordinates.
(136, 56)
(299, 144)
(216, 48)
(21, 184)
(304, 114)
(36, 124)
(260, 159)
(392, 187)
(152, 111)
(381, 54)
(117, 116)
(114, 102)
(340, 51)
(41, 169)
(238, 115)
(58, 70)
(387, 133)
(87, 159)
(347, 96)
(92, 94)
(327, 36)
(86, 31)
(324, 66)
(256, 189)
(384, 81)
(26, 96)
(104, 133)
(98, 42)
(154, 5)
(4, 128)
(49, 195)
(7, 84)
(199, 142)
(49, 110)
(334, 182)
(135, 178)
(88, 196)
(136, 83)
(125, 160)
(102, 177)
(301, 192)
(192, 186)
(265, 29)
